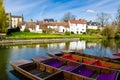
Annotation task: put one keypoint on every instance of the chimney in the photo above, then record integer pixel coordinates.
(31, 20)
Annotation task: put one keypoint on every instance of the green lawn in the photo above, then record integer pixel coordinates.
(29, 35)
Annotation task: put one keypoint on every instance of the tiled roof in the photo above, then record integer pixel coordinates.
(93, 23)
(17, 16)
(81, 21)
(43, 25)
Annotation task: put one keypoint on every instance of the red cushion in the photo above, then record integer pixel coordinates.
(98, 63)
(86, 62)
(117, 54)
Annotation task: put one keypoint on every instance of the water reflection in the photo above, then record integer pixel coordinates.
(28, 51)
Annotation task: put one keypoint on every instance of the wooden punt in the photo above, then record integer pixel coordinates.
(87, 60)
(117, 54)
(114, 59)
(32, 71)
(59, 63)
(82, 71)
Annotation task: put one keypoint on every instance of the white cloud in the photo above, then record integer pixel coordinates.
(90, 11)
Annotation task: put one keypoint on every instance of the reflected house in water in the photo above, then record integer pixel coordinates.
(56, 46)
(80, 45)
(90, 45)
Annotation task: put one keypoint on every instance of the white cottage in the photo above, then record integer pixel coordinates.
(32, 26)
(59, 26)
(77, 26)
(93, 25)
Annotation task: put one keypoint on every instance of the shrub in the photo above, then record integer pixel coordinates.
(26, 30)
(9, 31)
(90, 31)
(109, 32)
(72, 32)
(117, 35)
(67, 33)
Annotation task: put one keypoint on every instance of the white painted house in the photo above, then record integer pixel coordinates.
(59, 26)
(77, 26)
(32, 26)
(93, 25)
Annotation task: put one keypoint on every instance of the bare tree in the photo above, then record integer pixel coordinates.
(118, 18)
(103, 18)
(67, 16)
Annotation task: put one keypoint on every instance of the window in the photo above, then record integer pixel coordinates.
(77, 32)
(63, 30)
(14, 26)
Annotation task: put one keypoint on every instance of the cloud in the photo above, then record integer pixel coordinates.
(40, 9)
(90, 11)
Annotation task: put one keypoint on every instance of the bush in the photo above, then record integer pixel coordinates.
(117, 35)
(67, 33)
(26, 30)
(90, 31)
(17, 29)
(72, 32)
(109, 32)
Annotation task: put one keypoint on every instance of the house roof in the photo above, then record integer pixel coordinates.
(93, 23)
(80, 21)
(43, 25)
(28, 24)
(17, 16)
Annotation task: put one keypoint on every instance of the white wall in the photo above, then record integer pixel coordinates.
(80, 45)
(23, 27)
(77, 28)
(92, 27)
(62, 29)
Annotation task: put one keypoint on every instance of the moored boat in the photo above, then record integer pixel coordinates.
(117, 54)
(34, 72)
(82, 71)
(86, 60)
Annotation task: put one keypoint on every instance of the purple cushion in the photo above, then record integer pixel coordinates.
(86, 72)
(83, 71)
(51, 61)
(58, 64)
(54, 63)
(68, 68)
(107, 76)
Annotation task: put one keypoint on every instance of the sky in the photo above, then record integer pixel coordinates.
(41, 9)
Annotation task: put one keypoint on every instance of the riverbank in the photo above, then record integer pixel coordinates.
(32, 41)
(29, 35)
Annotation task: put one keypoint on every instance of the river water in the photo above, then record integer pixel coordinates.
(9, 53)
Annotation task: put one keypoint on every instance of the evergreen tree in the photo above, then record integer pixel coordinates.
(3, 18)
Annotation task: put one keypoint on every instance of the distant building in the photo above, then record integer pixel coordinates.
(59, 26)
(77, 26)
(32, 26)
(49, 20)
(93, 25)
(14, 20)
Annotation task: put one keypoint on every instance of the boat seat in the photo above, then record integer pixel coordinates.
(43, 74)
(29, 66)
(83, 71)
(111, 76)
(69, 57)
(86, 62)
(35, 71)
(67, 68)
(98, 63)
(54, 63)
(117, 54)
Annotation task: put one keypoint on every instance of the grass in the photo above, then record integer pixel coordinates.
(29, 35)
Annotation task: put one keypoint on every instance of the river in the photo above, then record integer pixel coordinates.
(11, 52)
